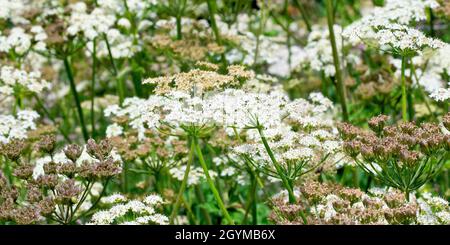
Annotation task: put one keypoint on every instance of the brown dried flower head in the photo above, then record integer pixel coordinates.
(73, 152)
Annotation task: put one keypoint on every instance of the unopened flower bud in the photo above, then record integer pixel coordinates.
(47, 144)
(377, 123)
(73, 152)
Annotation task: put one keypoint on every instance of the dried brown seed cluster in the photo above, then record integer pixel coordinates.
(406, 154)
(334, 204)
(105, 166)
(67, 192)
(48, 190)
(187, 48)
(14, 149)
(406, 142)
(156, 150)
(37, 204)
(200, 80)
(47, 144)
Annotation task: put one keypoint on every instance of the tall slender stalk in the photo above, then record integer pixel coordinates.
(119, 84)
(404, 95)
(180, 9)
(431, 22)
(254, 201)
(212, 8)
(211, 183)
(304, 14)
(201, 199)
(94, 66)
(73, 89)
(250, 203)
(124, 177)
(337, 66)
(183, 183)
(179, 33)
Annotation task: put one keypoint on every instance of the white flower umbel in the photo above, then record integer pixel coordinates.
(16, 127)
(142, 212)
(17, 41)
(389, 27)
(114, 198)
(436, 70)
(90, 24)
(12, 80)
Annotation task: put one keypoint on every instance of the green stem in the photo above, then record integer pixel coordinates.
(337, 66)
(73, 89)
(83, 198)
(285, 181)
(189, 210)
(183, 184)
(211, 183)
(94, 65)
(431, 22)
(92, 208)
(212, 8)
(201, 199)
(179, 33)
(119, 83)
(404, 95)
(254, 203)
(250, 200)
(304, 15)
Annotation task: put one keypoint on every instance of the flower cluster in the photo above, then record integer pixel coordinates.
(200, 81)
(14, 81)
(130, 212)
(16, 127)
(389, 27)
(403, 156)
(334, 204)
(56, 186)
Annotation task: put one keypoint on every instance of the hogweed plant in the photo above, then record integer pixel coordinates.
(58, 186)
(224, 112)
(335, 204)
(404, 156)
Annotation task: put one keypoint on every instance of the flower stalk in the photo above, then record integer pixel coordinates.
(120, 85)
(210, 182)
(278, 167)
(212, 8)
(94, 70)
(183, 183)
(73, 89)
(339, 82)
(404, 95)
